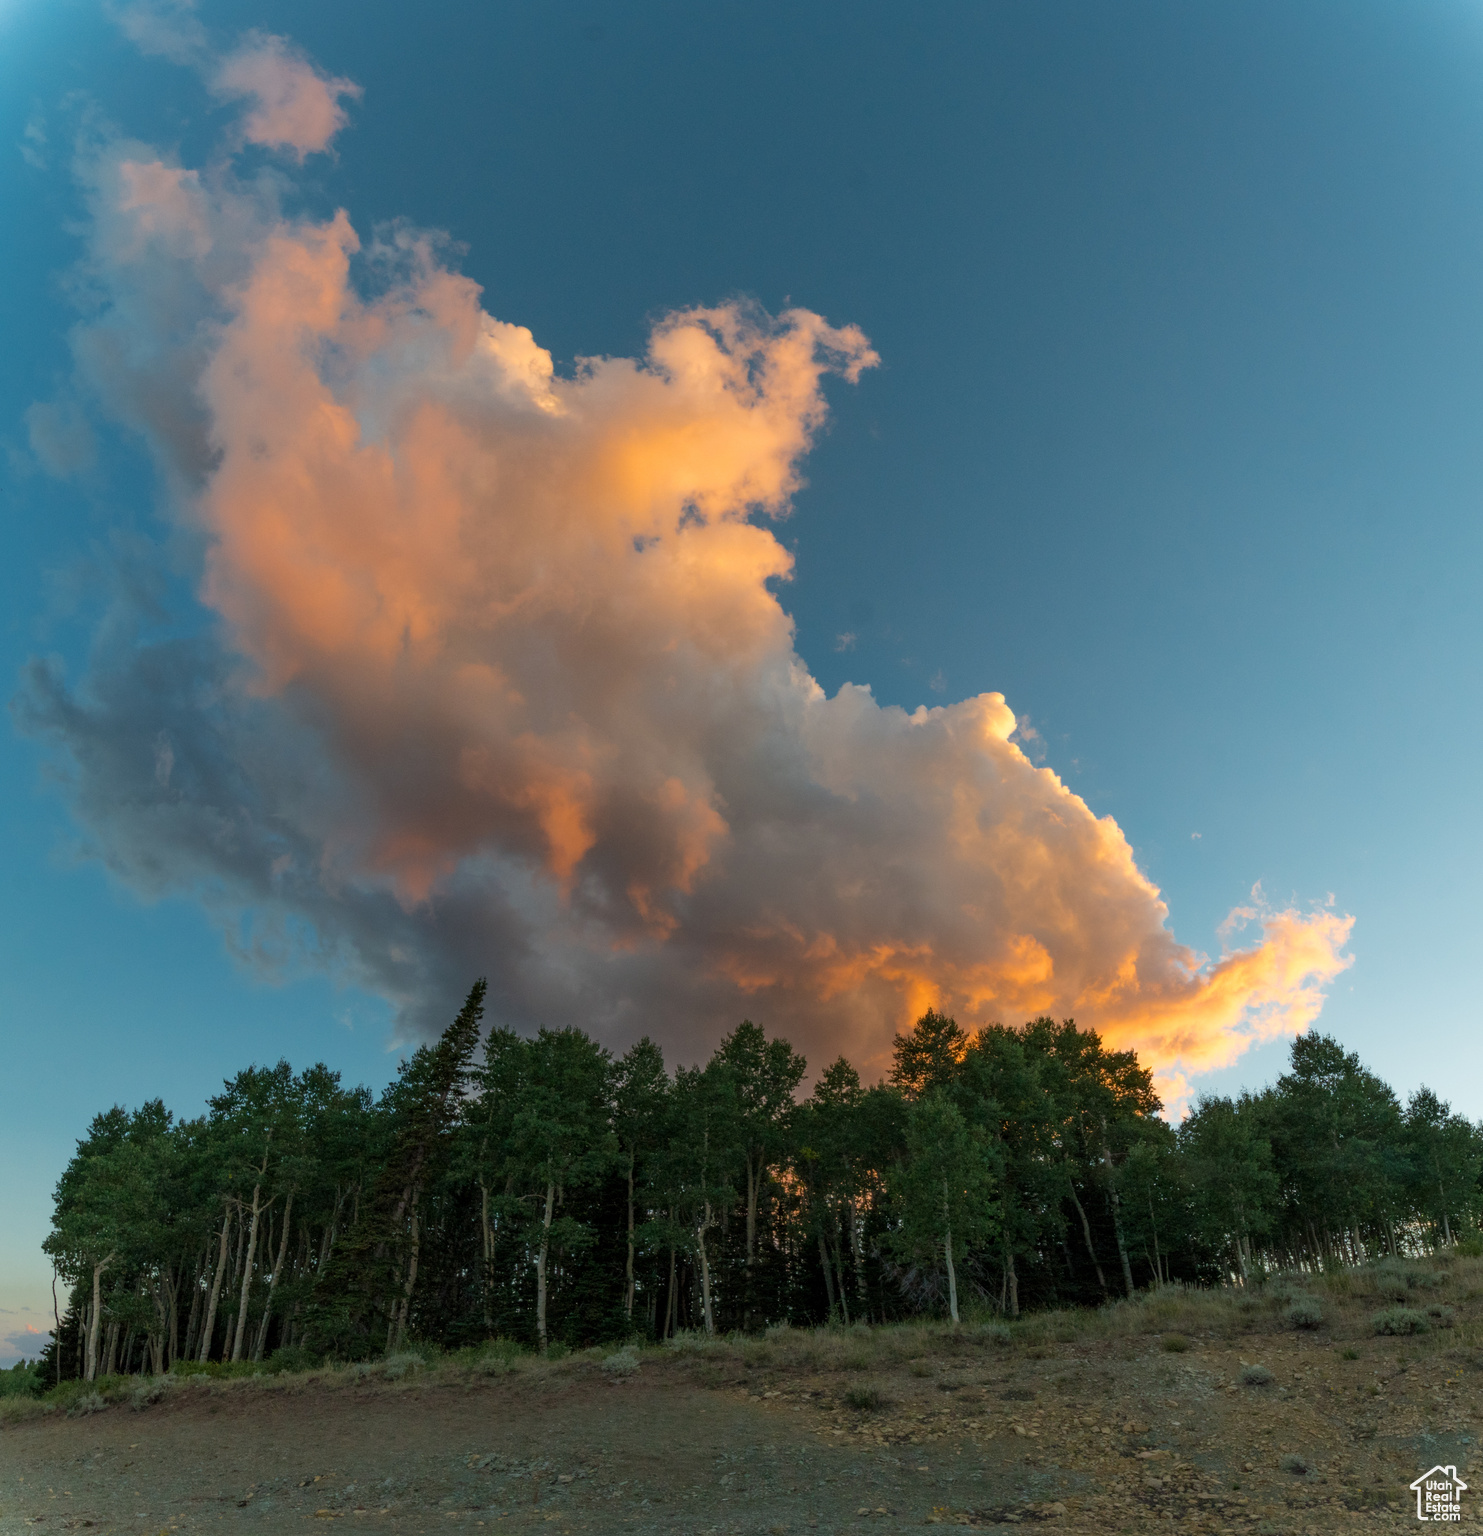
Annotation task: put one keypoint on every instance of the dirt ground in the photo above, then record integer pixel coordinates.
(821, 1432)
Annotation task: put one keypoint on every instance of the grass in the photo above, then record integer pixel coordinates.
(1171, 1319)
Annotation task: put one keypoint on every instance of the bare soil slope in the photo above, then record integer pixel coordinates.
(1133, 1419)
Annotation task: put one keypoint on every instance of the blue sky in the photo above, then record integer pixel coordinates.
(1173, 442)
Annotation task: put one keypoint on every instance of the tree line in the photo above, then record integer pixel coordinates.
(542, 1189)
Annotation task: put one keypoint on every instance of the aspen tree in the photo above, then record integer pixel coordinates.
(943, 1189)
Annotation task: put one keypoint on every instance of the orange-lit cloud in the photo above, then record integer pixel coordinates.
(506, 684)
(295, 108)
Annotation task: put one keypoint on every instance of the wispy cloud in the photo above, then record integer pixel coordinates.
(295, 107)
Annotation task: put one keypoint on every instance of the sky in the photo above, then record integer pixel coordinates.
(794, 511)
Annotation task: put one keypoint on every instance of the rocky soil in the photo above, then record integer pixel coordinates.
(1115, 1426)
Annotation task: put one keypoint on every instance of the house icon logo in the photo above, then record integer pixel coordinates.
(1439, 1494)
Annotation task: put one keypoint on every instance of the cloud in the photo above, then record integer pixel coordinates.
(166, 29)
(502, 681)
(33, 142)
(61, 438)
(295, 107)
(846, 641)
(24, 1343)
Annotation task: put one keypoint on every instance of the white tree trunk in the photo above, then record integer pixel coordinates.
(262, 1333)
(221, 1269)
(952, 1273)
(705, 1270)
(541, 1263)
(97, 1317)
(628, 1294)
(754, 1179)
(257, 1213)
(952, 1278)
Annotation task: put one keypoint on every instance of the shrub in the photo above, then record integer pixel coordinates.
(1349, 1354)
(23, 1379)
(1469, 1247)
(407, 1363)
(622, 1362)
(1175, 1343)
(13, 1410)
(1442, 1317)
(218, 1370)
(1256, 1376)
(1282, 1289)
(293, 1358)
(556, 1350)
(146, 1390)
(1297, 1465)
(1400, 1320)
(499, 1358)
(1305, 1313)
(865, 1399)
(993, 1333)
(1392, 1285)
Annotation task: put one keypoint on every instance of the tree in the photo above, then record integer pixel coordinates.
(764, 1076)
(1227, 1158)
(640, 1101)
(944, 1188)
(929, 1055)
(559, 1137)
(373, 1276)
(1102, 1099)
(1337, 1136)
(111, 1206)
(696, 1175)
(1445, 1156)
(1001, 1086)
(847, 1136)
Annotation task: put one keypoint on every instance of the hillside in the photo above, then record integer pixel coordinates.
(1282, 1411)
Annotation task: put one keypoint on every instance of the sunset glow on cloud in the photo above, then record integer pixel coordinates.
(504, 682)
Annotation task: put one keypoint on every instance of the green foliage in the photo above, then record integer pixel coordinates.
(943, 1189)
(530, 1190)
(1400, 1321)
(1256, 1376)
(218, 1370)
(24, 1379)
(1305, 1313)
(1175, 1343)
(290, 1358)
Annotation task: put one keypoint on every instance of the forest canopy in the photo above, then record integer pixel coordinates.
(544, 1190)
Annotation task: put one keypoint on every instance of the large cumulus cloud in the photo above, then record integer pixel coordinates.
(502, 681)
